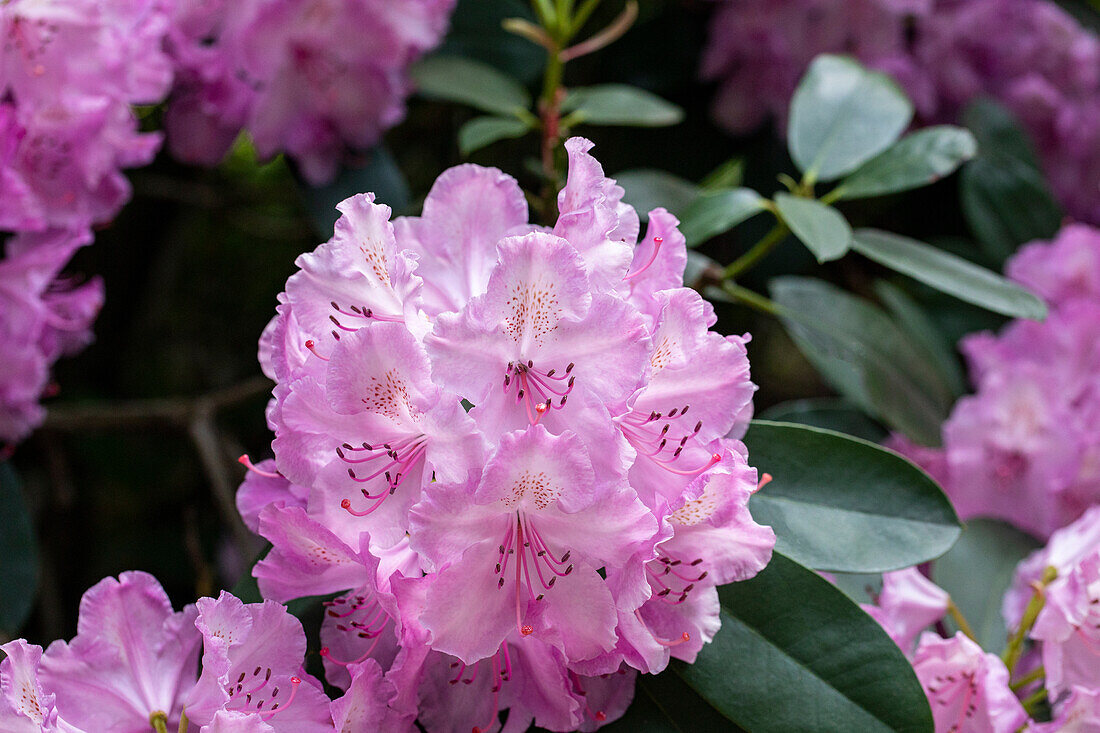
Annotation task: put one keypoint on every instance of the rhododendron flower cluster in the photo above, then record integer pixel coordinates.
(571, 528)
(1025, 447)
(968, 688)
(137, 665)
(1040, 63)
(311, 78)
(42, 317)
(69, 73)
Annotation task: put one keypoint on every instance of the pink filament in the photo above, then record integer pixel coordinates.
(663, 642)
(657, 242)
(245, 461)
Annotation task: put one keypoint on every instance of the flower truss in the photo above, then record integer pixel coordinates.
(308, 77)
(1054, 601)
(42, 317)
(1024, 447)
(221, 666)
(508, 451)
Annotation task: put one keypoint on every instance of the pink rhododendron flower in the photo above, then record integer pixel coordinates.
(908, 604)
(69, 73)
(311, 78)
(263, 487)
(42, 317)
(520, 549)
(713, 541)
(1041, 63)
(530, 554)
(966, 687)
(1026, 448)
(24, 706)
(130, 644)
(252, 664)
(1065, 269)
(1079, 713)
(134, 660)
(1069, 627)
(1067, 547)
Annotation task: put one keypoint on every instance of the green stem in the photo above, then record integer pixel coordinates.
(545, 11)
(750, 298)
(1028, 678)
(552, 79)
(584, 12)
(1015, 647)
(960, 620)
(159, 721)
(1033, 700)
(757, 252)
(832, 196)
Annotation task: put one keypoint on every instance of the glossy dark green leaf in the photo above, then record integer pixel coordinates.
(1006, 204)
(916, 160)
(457, 79)
(482, 131)
(865, 356)
(842, 115)
(380, 176)
(796, 654)
(820, 227)
(647, 188)
(841, 503)
(1004, 196)
(978, 570)
(948, 273)
(998, 132)
(912, 319)
(714, 213)
(830, 413)
(664, 703)
(620, 104)
(18, 554)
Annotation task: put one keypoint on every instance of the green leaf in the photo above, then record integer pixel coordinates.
(18, 554)
(463, 80)
(842, 115)
(829, 413)
(796, 654)
(845, 504)
(698, 267)
(381, 176)
(1004, 196)
(647, 188)
(730, 174)
(714, 213)
(977, 572)
(664, 703)
(948, 273)
(865, 356)
(820, 227)
(620, 104)
(914, 161)
(998, 132)
(482, 131)
(1007, 203)
(914, 321)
